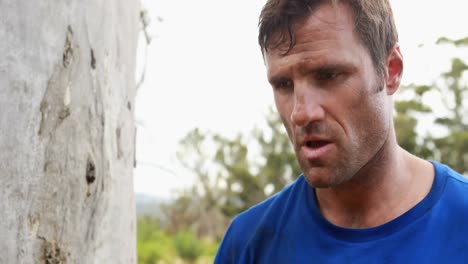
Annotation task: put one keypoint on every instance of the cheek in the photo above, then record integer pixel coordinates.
(284, 109)
(371, 119)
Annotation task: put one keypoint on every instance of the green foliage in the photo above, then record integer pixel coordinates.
(153, 245)
(453, 150)
(187, 245)
(457, 42)
(451, 88)
(411, 105)
(281, 166)
(232, 181)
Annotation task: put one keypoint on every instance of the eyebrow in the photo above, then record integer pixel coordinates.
(277, 79)
(327, 68)
(346, 67)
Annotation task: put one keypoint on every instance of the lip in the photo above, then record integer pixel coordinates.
(316, 153)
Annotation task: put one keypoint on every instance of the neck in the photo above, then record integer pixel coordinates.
(390, 184)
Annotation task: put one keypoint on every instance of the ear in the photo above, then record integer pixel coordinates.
(394, 65)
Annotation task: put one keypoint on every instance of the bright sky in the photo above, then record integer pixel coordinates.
(204, 69)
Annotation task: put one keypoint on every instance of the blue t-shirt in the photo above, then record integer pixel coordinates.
(289, 228)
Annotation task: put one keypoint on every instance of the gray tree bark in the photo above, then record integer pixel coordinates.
(67, 130)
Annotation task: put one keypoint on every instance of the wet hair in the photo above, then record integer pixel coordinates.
(374, 25)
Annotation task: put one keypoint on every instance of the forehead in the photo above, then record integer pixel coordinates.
(325, 18)
(328, 29)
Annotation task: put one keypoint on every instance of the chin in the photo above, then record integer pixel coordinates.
(324, 178)
(319, 179)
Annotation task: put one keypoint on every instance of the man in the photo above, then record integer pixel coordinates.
(333, 67)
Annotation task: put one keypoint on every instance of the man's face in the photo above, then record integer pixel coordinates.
(332, 103)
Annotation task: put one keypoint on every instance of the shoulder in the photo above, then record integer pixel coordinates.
(270, 211)
(452, 178)
(264, 216)
(455, 189)
(447, 217)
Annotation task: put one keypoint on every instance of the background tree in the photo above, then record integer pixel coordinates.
(450, 146)
(153, 244)
(67, 131)
(232, 180)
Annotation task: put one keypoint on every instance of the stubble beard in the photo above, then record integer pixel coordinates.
(326, 174)
(348, 165)
(330, 171)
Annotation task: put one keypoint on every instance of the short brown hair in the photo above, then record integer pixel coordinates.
(374, 25)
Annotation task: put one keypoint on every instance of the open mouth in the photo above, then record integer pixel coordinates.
(317, 143)
(316, 149)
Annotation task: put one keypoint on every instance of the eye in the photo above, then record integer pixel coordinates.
(327, 75)
(283, 84)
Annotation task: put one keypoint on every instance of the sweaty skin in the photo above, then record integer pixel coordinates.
(338, 114)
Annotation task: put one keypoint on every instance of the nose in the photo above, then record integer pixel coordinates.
(307, 108)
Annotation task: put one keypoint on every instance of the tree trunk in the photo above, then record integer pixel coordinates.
(67, 131)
